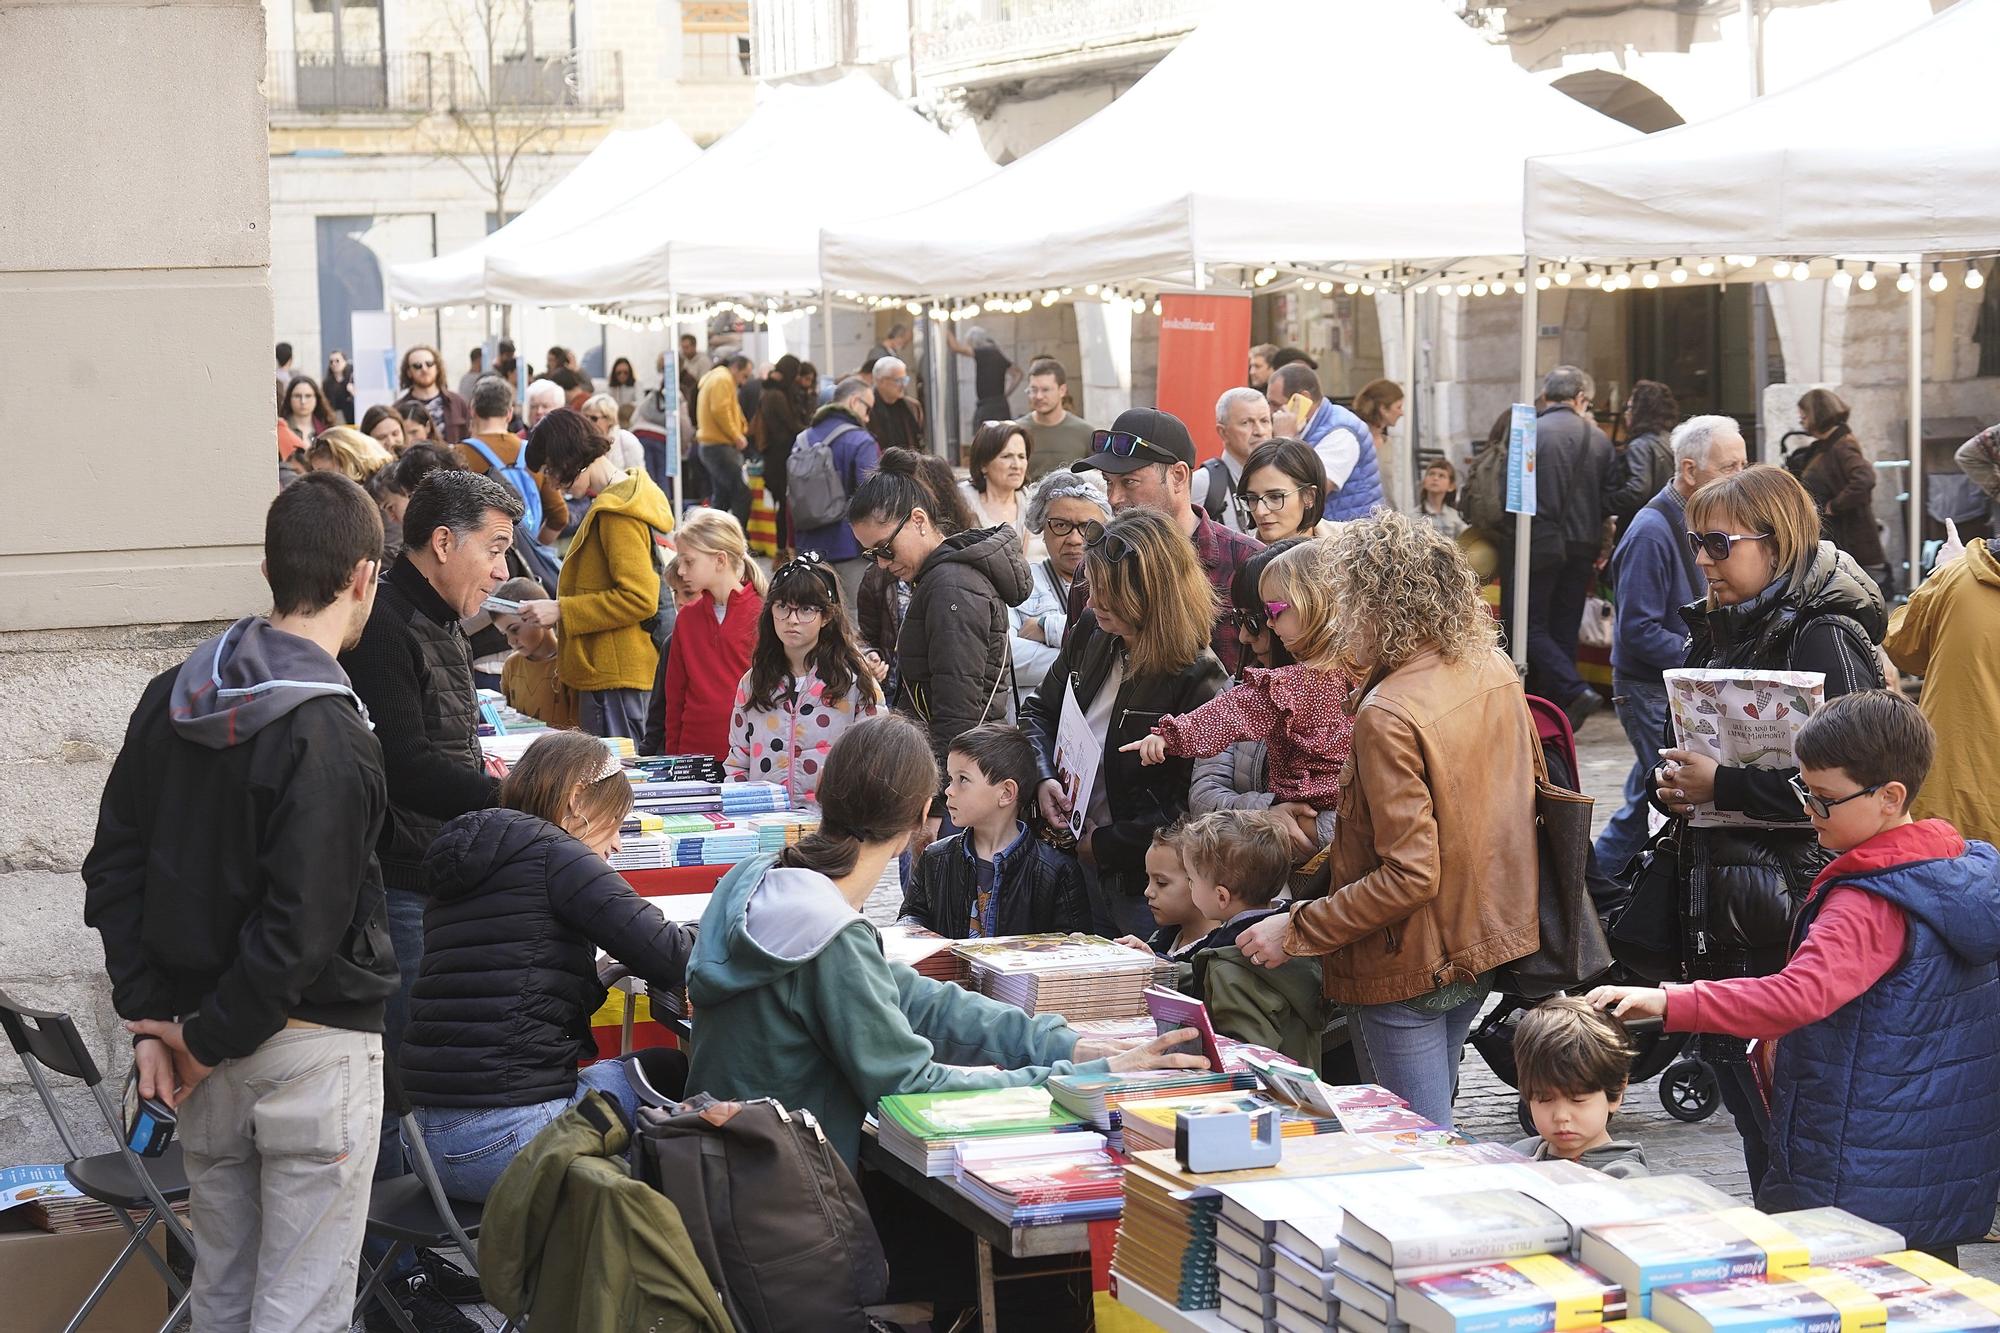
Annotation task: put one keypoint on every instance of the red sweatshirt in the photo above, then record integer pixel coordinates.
(1852, 944)
(705, 660)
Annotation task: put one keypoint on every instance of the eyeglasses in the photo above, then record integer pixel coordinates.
(796, 615)
(1111, 546)
(881, 551)
(1092, 530)
(1819, 805)
(1719, 545)
(1276, 609)
(1271, 500)
(1124, 444)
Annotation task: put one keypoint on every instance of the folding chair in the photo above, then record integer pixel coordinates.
(412, 1211)
(123, 1180)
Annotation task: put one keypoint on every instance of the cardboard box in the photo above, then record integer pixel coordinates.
(45, 1279)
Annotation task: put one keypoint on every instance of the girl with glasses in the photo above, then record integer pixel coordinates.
(807, 684)
(1297, 711)
(1779, 599)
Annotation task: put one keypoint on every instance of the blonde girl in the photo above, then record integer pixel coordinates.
(713, 635)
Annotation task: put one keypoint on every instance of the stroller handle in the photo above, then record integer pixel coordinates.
(1643, 1026)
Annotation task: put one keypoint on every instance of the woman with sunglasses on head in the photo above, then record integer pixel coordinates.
(951, 652)
(1432, 870)
(1138, 654)
(807, 683)
(1282, 491)
(1779, 599)
(1066, 513)
(424, 391)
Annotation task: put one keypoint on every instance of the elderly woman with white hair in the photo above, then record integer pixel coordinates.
(1068, 512)
(542, 398)
(627, 455)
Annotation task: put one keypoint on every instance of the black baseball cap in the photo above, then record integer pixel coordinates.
(1141, 437)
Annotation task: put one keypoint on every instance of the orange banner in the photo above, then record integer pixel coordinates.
(1204, 350)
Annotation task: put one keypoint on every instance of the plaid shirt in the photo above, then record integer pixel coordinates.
(1221, 552)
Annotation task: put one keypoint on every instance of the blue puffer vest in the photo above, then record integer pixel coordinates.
(1887, 1107)
(1363, 490)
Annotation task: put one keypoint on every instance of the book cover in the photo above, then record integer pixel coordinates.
(1171, 1011)
(1712, 1247)
(1740, 719)
(1380, 1119)
(1540, 1293)
(1809, 1302)
(1409, 1232)
(1599, 1200)
(1015, 954)
(943, 1115)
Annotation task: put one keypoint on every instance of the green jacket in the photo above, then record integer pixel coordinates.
(1280, 1007)
(793, 1000)
(573, 1240)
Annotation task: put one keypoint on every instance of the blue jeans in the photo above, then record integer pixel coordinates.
(724, 463)
(1414, 1054)
(472, 1145)
(612, 712)
(406, 934)
(1642, 710)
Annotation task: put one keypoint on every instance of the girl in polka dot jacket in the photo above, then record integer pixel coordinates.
(807, 683)
(1299, 711)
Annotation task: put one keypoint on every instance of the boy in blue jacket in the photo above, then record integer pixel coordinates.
(1887, 1017)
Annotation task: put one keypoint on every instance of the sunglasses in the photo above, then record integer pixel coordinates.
(1276, 609)
(1719, 545)
(1092, 530)
(1819, 805)
(881, 552)
(422, 365)
(1110, 545)
(1124, 444)
(1252, 623)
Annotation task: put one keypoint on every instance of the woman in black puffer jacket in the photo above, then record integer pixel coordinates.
(1780, 599)
(521, 901)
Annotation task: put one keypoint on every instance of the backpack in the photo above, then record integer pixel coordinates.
(1482, 496)
(517, 475)
(1221, 490)
(813, 486)
(773, 1212)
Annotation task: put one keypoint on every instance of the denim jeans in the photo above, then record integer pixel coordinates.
(472, 1145)
(279, 1147)
(1414, 1054)
(406, 935)
(1642, 709)
(724, 464)
(612, 713)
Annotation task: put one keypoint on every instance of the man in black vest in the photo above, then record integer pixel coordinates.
(413, 669)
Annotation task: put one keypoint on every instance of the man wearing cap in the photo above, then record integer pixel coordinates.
(1147, 460)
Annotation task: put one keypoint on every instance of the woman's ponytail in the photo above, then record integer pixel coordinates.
(876, 787)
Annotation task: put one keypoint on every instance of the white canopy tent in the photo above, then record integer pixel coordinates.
(1890, 157)
(626, 164)
(722, 228)
(1182, 170)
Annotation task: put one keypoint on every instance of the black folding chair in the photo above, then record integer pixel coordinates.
(126, 1182)
(412, 1211)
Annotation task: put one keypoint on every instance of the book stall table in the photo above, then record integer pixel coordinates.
(989, 1233)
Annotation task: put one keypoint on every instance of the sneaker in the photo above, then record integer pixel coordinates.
(451, 1282)
(425, 1308)
(1582, 707)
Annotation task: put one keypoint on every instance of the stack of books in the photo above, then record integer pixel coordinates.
(722, 846)
(1540, 1293)
(1741, 1242)
(1029, 1183)
(1077, 976)
(1906, 1291)
(924, 950)
(1149, 1124)
(728, 798)
(1100, 1098)
(927, 1129)
(779, 829)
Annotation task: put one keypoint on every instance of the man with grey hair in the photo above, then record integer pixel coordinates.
(1242, 422)
(1655, 576)
(543, 397)
(897, 420)
(1574, 465)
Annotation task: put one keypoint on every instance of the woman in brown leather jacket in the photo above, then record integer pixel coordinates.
(1433, 859)
(1837, 474)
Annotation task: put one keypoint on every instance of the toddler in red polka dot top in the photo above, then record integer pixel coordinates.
(807, 683)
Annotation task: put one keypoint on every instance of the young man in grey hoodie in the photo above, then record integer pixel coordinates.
(235, 885)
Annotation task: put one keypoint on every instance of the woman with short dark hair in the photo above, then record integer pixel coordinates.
(998, 466)
(1282, 491)
(1647, 465)
(1837, 474)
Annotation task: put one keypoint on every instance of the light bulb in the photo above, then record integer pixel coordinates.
(1706, 268)
(1593, 280)
(1541, 282)
(1420, 289)
(1562, 277)
(1905, 282)
(1747, 261)
(1649, 279)
(1781, 268)
(1156, 307)
(1866, 282)
(1679, 274)
(1090, 289)
(1325, 288)
(1801, 271)
(1521, 286)
(1479, 289)
(1350, 287)
(1974, 279)
(1367, 289)
(1465, 289)
(1937, 283)
(1841, 277)
(1625, 280)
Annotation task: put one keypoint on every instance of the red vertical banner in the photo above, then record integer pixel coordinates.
(1204, 349)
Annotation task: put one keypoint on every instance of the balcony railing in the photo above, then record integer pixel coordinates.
(960, 35)
(583, 83)
(317, 83)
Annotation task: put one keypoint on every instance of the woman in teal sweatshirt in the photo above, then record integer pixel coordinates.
(793, 999)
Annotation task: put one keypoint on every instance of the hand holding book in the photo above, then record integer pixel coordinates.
(1127, 1055)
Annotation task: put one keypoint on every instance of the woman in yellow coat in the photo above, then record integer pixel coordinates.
(1949, 634)
(610, 588)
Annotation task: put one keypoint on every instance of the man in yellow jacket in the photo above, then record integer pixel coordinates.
(723, 435)
(1949, 634)
(608, 596)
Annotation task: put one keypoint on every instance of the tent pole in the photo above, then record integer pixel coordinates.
(1517, 633)
(1916, 519)
(826, 329)
(1408, 471)
(673, 373)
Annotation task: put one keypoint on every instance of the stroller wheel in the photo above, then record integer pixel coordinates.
(1688, 1090)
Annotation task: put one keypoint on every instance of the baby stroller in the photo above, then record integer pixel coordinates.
(1688, 1087)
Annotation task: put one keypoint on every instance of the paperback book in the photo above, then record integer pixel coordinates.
(1740, 1242)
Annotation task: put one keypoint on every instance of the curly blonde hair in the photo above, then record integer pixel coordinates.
(1403, 589)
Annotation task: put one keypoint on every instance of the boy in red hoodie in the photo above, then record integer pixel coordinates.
(1887, 1016)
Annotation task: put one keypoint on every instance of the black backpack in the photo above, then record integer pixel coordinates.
(773, 1212)
(1482, 496)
